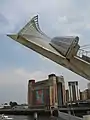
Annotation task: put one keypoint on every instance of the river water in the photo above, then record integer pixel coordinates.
(24, 117)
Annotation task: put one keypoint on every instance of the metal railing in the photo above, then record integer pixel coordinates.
(84, 55)
(82, 52)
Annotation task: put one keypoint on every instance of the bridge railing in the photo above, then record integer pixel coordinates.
(82, 52)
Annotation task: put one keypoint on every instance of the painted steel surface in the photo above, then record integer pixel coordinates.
(67, 46)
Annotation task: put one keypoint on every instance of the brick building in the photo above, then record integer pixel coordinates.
(47, 93)
(86, 94)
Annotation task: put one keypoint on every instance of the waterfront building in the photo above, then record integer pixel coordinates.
(86, 94)
(47, 93)
(74, 93)
(88, 85)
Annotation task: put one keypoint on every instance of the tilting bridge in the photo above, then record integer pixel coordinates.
(63, 50)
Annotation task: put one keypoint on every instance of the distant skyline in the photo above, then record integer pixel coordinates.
(18, 64)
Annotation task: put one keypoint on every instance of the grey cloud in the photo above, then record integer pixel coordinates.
(3, 20)
(5, 25)
(16, 92)
(49, 12)
(18, 12)
(14, 83)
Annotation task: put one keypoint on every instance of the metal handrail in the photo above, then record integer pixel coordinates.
(82, 52)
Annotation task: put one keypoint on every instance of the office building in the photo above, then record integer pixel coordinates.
(86, 94)
(74, 94)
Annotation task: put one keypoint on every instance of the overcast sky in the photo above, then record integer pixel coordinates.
(18, 64)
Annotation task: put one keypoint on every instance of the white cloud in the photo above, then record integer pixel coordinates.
(20, 76)
(4, 24)
(14, 83)
(62, 19)
(37, 75)
(57, 17)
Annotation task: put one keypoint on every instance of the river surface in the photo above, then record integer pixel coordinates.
(24, 117)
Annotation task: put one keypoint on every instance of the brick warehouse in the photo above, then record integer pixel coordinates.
(47, 93)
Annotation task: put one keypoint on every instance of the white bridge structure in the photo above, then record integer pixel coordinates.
(64, 50)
